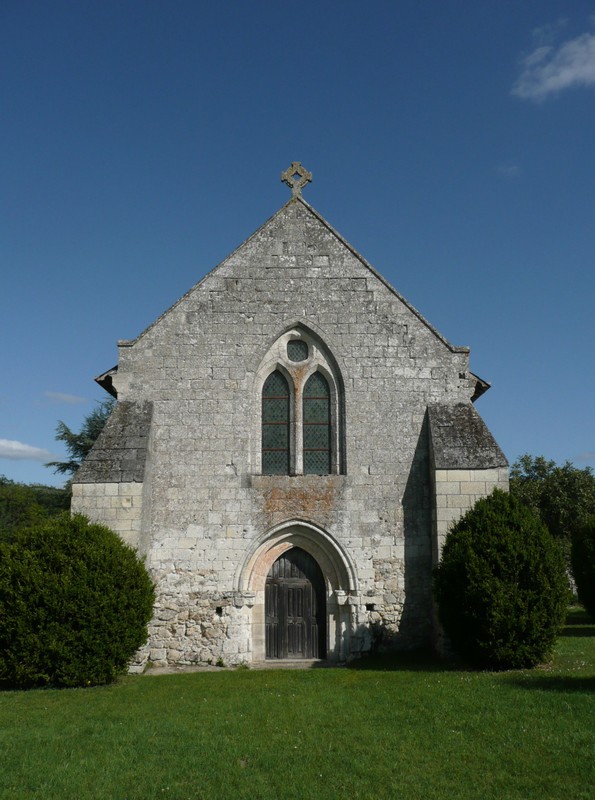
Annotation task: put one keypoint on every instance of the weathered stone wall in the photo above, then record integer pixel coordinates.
(457, 490)
(466, 464)
(117, 505)
(207, 507)
(110, 485)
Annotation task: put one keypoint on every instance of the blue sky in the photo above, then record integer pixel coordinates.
(451, 144)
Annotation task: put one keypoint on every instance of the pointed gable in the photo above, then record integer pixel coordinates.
(284, 244)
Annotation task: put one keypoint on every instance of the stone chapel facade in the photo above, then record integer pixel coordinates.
(290, 444)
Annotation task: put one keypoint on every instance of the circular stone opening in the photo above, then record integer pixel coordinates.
(297, 350)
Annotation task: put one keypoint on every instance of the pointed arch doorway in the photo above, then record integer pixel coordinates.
(295, 607)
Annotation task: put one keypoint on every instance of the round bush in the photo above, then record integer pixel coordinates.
(583, 564)
(501, 585)
(74, 604)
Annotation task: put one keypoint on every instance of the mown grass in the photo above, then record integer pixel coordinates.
(387, 728)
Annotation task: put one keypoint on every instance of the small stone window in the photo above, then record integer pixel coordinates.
(275, 425)
(297, 350)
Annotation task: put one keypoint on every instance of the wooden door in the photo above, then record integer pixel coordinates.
(295, 607)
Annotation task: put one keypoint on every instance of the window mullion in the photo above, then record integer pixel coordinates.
(297, 428)
(334, 439)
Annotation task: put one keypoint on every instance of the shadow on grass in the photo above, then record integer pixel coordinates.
(415, 661)
(574, 630)
(578, 623)
(578, 616)
(553, 683)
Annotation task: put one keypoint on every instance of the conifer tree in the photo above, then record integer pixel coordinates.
(79, 444)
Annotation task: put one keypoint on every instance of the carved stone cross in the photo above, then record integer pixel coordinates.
(296, 177)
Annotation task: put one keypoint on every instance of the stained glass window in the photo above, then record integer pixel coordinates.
(297, 350)
(317, 426)
(275, 425)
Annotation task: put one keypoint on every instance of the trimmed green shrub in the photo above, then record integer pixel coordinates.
(501, 585)
(74, 604)
(583, 564)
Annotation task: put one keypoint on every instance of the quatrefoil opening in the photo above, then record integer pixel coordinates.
(296, 177)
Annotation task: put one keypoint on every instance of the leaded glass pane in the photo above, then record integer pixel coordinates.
(275, 462)
(317, 386)
(316, 409)
(317, 436)
(317, 426)
(275, 385)
(275, 409)
(317, 462)
(275, 437)
(297, 350)
(275, 425)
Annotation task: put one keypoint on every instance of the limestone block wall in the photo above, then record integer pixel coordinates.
(456, 491)
(117, 505)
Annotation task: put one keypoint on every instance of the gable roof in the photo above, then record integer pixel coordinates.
(340, 239)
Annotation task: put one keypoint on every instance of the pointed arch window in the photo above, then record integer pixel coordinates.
(275, 425)
(302, 415)
(317, 425)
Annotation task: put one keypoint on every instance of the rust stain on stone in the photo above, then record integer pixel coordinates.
(303, 501)
(297, 373)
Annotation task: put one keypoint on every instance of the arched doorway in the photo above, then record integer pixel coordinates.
(340, 584)
(295, 607)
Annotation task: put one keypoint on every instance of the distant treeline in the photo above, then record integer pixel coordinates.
(22, 504)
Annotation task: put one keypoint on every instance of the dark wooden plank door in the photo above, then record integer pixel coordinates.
(295, 607)
(272, 592)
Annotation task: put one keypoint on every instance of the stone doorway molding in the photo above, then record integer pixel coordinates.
(339, 575)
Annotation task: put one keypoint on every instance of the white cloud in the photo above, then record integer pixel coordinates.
(546, 34)
(18, 451)
(548, 70)
(589, 455)
(508, 169)
(60, 397)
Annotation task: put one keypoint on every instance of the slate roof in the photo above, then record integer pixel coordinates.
(460, 439)
(120, 452)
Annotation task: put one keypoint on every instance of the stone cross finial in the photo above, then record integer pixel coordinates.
(296, 177)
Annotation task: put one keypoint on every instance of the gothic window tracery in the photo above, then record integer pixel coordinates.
(297, 350)
(301, 408)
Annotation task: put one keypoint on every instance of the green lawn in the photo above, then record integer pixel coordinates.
(399, 728)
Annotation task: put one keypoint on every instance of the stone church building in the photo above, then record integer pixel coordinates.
(291, 441)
